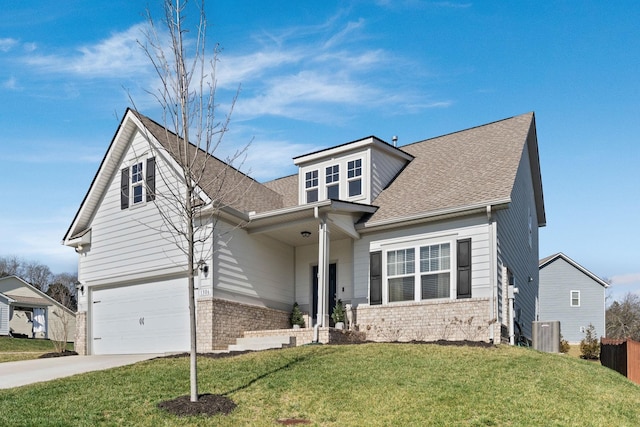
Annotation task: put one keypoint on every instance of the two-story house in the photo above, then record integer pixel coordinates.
(420, 240)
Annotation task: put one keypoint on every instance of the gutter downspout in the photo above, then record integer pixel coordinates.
(492, 274)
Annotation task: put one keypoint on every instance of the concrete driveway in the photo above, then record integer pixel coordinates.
(15, 374)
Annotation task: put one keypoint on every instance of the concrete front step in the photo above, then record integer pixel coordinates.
(262, 343)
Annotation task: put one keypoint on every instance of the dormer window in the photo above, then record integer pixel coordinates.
(354, 177)
(333, 182)
(311, 186)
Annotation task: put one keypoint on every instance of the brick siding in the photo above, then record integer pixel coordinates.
(454, 320)
(220, 322)
(80, 343)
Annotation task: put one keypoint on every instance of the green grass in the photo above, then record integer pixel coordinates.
(8, 344)
(371, 384)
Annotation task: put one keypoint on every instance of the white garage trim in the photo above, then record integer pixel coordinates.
(140, 318)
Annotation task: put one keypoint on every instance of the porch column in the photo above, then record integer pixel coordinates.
(323, 272)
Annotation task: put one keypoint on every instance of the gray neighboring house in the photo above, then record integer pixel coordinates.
(573, 295)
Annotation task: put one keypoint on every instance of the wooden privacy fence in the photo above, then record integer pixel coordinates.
(622, 356)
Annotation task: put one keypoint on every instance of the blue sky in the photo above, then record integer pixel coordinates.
(317, 74)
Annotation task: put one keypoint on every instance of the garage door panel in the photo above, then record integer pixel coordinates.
(141, 318)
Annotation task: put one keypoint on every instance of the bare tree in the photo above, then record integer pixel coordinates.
(623, 318)
(64, 293)
(37, 274)
(34, 272)
(190, 205)
(10, 266)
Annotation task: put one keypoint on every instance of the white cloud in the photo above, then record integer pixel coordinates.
(11, 84)
(117, 56)
(6, 44)
(626, 279)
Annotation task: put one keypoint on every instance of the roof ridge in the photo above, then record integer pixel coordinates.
(470, 128)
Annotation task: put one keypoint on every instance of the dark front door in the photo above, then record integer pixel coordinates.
(332, 291)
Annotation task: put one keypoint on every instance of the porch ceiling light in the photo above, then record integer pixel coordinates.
(305, 234)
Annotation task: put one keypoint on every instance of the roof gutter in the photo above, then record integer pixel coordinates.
(487, 208)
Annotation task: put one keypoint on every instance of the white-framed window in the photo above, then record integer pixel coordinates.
(575, 298)
(332, 179)
(354, 177)
(411, 278)
(400, 274)
(435, 271)
(137, 183)
(311, 186)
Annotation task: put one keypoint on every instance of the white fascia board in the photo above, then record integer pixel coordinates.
(576, 265)
(433, 216)
(351, 146)
(102, 179)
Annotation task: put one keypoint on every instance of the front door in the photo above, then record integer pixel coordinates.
(332, 291)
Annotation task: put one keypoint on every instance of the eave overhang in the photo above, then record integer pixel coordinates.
(432, 216)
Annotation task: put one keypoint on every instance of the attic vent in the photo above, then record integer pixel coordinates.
(394, 138)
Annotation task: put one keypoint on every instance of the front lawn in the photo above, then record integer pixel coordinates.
(350, 385)
(12, 349)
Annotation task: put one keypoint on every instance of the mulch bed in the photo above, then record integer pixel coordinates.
(58, 354)
(207, 404)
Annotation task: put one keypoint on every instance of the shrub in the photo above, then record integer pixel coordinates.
(589, 346)
(296, 316)
(338, 312)
(564, 345)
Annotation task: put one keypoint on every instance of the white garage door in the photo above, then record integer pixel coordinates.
(141, 318)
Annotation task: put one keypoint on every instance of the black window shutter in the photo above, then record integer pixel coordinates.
(124, 188)
(375, 278)
(464, 268)
(151, 179)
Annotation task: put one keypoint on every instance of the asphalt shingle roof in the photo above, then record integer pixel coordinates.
(461, 169)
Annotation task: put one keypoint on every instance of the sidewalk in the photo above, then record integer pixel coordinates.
(15, 374)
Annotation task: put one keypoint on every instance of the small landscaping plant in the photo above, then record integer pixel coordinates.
(296, 316)
(564, 345)
(589, 346)
(338, 312)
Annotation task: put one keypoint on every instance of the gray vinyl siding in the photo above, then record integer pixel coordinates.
(557, 280)
(384, 168)
(253, 269)
(475, 228)
(4, 316)
(514, 251)
(127, 242)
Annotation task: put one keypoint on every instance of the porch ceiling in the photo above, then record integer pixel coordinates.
(288, 225)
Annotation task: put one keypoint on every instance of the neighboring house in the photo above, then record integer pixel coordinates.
(5, 303)
(573, 295)
(34, 314)
(421, 240)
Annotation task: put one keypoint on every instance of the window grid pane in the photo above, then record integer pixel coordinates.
(136, 173)
(311, 179)
(354, 168)
(435, 258)
(333, 174)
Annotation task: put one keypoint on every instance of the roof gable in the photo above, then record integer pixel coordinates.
(544, 262)
(14, 287)
(245, 194)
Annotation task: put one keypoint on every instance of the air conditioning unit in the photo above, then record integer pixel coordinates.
(546, 336)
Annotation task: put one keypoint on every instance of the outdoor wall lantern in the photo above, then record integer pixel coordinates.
(80, 287)
(203, 266)
(305, 234)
